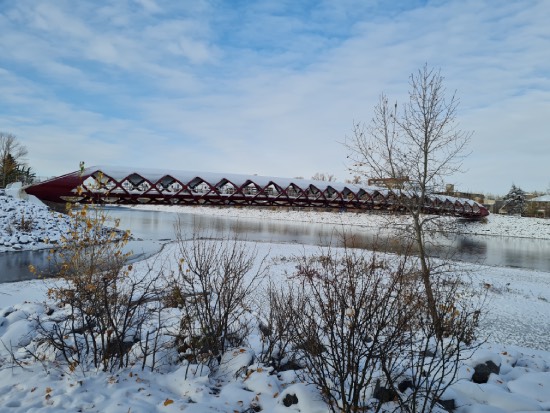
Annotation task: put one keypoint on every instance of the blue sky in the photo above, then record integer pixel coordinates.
(268, 87)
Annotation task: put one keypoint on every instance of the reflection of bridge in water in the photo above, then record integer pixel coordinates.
(147, 186)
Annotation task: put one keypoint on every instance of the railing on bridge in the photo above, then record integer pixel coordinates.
(125, 186)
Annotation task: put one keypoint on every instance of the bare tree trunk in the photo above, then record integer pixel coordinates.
(419, 148)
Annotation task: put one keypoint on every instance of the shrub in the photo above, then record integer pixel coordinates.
(213, 286)
(103, 305)
(366, 337)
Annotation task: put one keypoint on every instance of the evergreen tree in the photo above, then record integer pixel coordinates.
(13, 166)
(514, 201)
(8, 169)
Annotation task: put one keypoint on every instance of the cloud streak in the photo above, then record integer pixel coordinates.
(267, 87)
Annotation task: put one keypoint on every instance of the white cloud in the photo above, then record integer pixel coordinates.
(269, 88)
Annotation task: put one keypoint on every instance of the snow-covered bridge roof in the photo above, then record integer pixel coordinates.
(105, 184)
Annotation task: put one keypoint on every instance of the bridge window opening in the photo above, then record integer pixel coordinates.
(293, 191)
(91, 183)
(250, 189)
(448, 205)
(364, 195)
(313, 191)
(330, 193)
(391, 198)
(272, 190)
(98, 183)
(227, 188)
(166, 184)
(202, 188)
(198, 186)
(348, 193)
(175, 187)
(135, 179)
(72, 199)
(135, 183)
(378, 198)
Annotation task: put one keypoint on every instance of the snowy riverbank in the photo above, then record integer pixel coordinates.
(515, 327)
(27, 225)
(517, 318)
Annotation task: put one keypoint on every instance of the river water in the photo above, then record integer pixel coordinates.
(151, 229)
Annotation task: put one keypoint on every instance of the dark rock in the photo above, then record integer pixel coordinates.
(265, 329)
(254, 408)
(448, 405)
(404, 385)
(483, 371)
(384, 394)
(289, 365)
(290, 399)
(429, 353)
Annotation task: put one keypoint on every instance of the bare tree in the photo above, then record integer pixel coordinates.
(356, 180)
(321, 176)
(12, 154)
(418, 148)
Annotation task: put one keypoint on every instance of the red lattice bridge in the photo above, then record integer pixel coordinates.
(146, 186)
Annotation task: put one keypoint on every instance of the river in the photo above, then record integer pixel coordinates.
(151, 229)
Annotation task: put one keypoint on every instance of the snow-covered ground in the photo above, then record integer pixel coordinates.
(28, 225)
(516, 330)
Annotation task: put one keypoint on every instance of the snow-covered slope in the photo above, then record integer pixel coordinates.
(517, 318)
(28, 225)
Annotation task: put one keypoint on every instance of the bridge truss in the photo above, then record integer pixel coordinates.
(109, 185)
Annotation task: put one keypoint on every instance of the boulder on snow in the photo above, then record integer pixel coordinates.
(384, 394)
(482, 372)
(449, 405)
(235, 362)
(24, 239)
(290, 399)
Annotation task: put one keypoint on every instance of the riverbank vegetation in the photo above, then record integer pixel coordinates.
(354, 324)
(13, 165)
(211, 324)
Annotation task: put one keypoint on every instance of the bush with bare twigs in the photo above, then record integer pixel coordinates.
(366, 337)
(213, 286)
(100, 306)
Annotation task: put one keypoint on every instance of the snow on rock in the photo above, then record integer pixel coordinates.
(494, 396)
(300, 398)
(29, 225)
(234, 362)
(483, 356)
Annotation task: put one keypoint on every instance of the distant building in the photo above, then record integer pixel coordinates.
(391, 183)
(450, 190)
(539, 207)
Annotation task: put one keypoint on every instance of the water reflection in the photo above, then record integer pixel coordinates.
(151, 228)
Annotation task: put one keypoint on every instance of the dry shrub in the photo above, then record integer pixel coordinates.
(214, 287)
(102, 306)
(366, 336)
(277, 327)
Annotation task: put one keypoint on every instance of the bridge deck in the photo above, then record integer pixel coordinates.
(146, 186)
